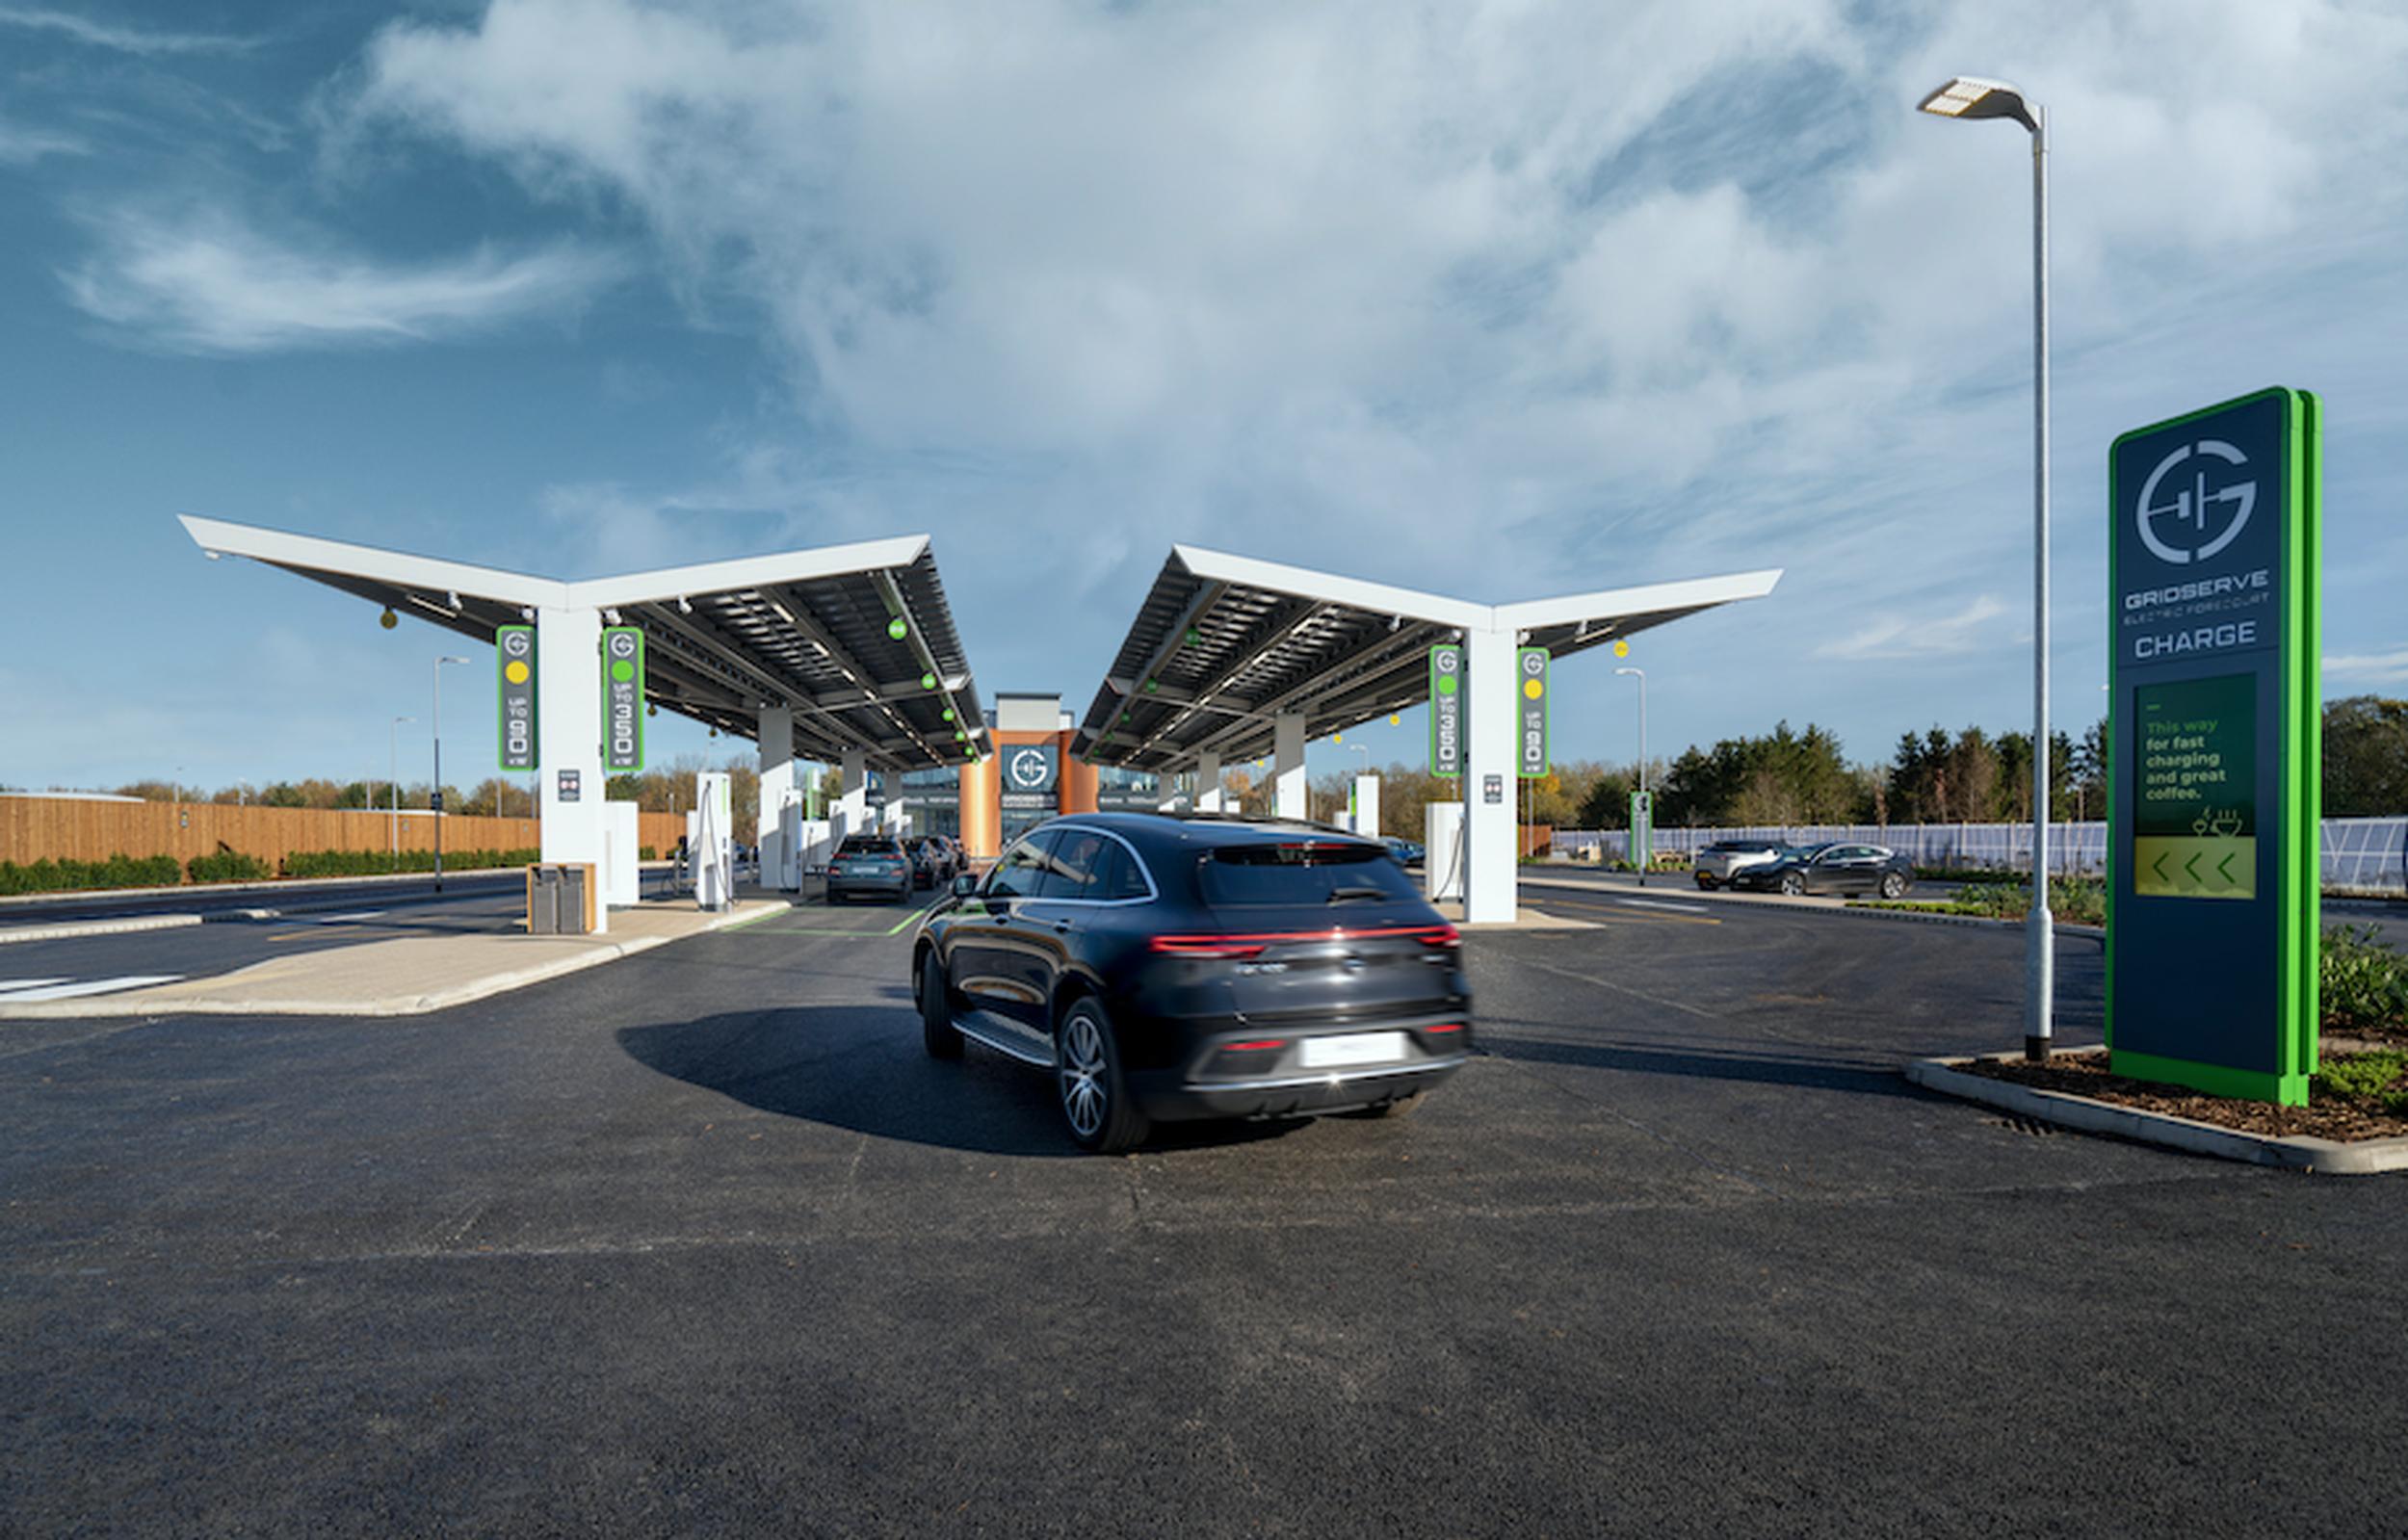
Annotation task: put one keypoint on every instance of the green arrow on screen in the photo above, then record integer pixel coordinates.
(2159, 867)
(2191, 866)
(2224, 869)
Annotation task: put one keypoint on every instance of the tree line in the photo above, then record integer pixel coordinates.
(1788, 776)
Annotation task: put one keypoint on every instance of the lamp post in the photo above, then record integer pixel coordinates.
(393, 790)
(1640, 675)
(1966, 96)
(434, 800)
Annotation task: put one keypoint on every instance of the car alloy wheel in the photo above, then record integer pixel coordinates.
(1086, 1067)
(1893, 885)
(1793, 884)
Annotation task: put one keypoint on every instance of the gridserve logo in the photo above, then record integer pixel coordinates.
(2194, 505)
(1031, 770)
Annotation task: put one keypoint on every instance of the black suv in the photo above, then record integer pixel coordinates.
(1167, 968)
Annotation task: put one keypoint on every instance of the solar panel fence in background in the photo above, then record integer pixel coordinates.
(2361, 855)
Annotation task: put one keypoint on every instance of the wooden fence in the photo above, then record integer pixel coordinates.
(33, 828)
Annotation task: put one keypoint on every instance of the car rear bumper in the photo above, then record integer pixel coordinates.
(891, 887)
(1168, 1099)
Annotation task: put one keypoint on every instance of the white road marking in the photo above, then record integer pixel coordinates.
(7, 985)
(346, 919)
(1660, 904)
(91, 986)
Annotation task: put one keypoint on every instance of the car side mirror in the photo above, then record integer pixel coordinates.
(965, 885)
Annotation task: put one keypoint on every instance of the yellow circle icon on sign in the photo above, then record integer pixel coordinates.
(1621, 649)
(1532, 688)
(514, 671)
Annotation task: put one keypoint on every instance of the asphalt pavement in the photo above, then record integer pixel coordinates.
(100, 964)
(703, 1242)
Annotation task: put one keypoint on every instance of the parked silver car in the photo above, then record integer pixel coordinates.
(1717, 862)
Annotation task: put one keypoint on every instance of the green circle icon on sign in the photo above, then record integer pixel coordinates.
(622, 670)
(1445, 684)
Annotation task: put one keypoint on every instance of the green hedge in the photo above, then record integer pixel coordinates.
(228, 865)
(69, 877)
(375, 863)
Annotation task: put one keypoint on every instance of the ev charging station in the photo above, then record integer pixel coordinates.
(844, 654)
(1234, 658)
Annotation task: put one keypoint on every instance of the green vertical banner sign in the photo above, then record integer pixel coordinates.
(515, 665)
(622, 698)
(1530, 679)
(1446, 709)
(2212, 944)
(1642, 830)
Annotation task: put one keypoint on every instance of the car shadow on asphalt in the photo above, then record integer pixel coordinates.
(818, 1064)
(1638, 1058)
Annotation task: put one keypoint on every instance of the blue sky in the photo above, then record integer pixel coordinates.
(1496, 301)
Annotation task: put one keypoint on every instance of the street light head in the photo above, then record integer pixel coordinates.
(451, 659)
(1970, 96)
(1641, 672)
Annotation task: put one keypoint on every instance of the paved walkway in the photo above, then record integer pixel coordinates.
(403, 975)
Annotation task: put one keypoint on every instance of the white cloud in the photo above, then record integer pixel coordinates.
(120, 40)
(1902, 636)
(22, 146)
(211, 284)
(2370, 668)
(1484, 297)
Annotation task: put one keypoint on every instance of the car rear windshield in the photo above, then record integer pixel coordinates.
(865, 844)
(1303, 872)
(1743, 846)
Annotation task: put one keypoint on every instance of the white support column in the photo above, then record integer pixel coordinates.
(852, 798)
(568, 738)
(781, 782)
(1367, 807)
(1491, 736)
(1168, 787)
(1287, 766)
(1208, 783)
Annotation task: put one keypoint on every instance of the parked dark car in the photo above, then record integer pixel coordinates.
(1836, 868)
(876, 864)
(933, 862)
(1165, 968)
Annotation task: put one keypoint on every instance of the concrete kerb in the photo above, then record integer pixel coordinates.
(99, 928)
(2293, 1152)
(1775, 900)
(166, 1001)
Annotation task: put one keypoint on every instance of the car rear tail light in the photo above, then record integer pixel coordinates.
(1439, 935)
(1258, 1046)
(1209, 946)
(1447, 1027)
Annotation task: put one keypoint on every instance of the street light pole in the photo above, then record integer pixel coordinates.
(434, 800)
(1966, 96)
(1640, 675)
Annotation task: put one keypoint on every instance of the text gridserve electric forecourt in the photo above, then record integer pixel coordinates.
(2213, 908)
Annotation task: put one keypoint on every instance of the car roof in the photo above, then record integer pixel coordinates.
(1209, 829)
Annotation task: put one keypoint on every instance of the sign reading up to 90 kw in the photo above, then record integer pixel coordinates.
(2212, 907)
(1446, 709)
(515, 659)
(1531, 677)
(622, 698)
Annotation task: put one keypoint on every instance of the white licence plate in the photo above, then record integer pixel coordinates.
(1355, 1048)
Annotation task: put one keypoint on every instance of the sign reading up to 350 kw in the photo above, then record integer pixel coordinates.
(514, 658)
(1446, 709)
(1530, 679)
(2212, 919)
(622, 698)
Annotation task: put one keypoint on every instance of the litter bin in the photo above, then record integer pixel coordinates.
(560, 899)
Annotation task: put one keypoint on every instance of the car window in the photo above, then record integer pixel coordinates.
(865, 844)
(1075, 867)
(1300, 872)
(1120, 877)
(1017, 875)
